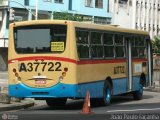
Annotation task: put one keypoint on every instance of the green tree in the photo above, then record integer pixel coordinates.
(67, 16)
(156, 44)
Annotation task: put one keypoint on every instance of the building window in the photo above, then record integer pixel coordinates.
(102, 20)
(47, 0)
(123, 1)
(20, 15)
(88, 3)
(158, 7)
(26, 2)
(99, 3)
(130, 3)
(108, 6)
(42, 15)
(58, 1)
(70, 5)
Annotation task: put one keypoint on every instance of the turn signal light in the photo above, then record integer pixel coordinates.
(64, 74)
(14, 70)
(16, 74)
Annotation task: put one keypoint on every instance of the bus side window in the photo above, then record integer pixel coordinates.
(82, 44)
(108, 45)
(139, 47)
(97, 51)
(83, 51)
(119, 45)
(96, 45)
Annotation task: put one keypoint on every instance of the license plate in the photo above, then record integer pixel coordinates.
(40, 81)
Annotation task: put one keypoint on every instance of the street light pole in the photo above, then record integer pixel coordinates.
(23, 6)
(36, 16)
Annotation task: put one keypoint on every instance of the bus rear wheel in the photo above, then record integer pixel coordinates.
(107, 94)
(56, 102)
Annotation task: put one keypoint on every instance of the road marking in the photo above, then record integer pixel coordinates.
(134, 110)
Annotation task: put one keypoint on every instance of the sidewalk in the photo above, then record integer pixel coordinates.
(16, 105)
(155, 88)
(13, 104)
(152, 89)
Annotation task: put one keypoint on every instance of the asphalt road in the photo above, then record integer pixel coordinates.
(121, 108)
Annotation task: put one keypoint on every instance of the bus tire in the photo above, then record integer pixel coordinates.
(56, 102)
(138, 95)
(107, 93)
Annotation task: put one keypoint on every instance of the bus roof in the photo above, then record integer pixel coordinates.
(112, 28)
(85, 25)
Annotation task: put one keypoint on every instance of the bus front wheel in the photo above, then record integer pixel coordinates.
(107, 93)
(56, 102)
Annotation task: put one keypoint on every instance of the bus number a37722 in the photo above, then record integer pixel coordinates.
(35, 66)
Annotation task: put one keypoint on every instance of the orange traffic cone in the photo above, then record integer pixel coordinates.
(86, 106)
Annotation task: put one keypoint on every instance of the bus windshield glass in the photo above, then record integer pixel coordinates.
(40, 39)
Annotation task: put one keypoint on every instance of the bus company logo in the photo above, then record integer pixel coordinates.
(4, 116)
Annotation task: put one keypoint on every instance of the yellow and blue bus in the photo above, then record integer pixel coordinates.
(54, 60)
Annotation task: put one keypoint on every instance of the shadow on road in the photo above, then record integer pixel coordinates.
(78, 104)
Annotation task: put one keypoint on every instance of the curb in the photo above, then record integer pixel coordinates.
(5, 98)
(157, 89)
(16, 105)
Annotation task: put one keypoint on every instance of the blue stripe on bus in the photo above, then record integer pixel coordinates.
(72, 90)
(59, 90)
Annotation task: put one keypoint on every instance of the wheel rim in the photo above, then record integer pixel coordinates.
(108, 95)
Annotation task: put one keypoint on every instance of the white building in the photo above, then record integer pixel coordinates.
(137, 14)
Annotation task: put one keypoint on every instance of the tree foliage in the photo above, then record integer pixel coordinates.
(68, 16)
(156, 44)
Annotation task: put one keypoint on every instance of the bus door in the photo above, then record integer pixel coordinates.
(128, 63)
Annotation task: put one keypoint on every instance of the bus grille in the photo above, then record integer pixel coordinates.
(40, 93)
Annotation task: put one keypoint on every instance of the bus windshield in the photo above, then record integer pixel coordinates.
(40, 39)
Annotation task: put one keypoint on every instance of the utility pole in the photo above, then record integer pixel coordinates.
(36, 16)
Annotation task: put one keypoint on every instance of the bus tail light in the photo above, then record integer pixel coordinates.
(16, 74)
(19, 78)
(14, 70)
(60, 78)
(65, 69)
(64, 74)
